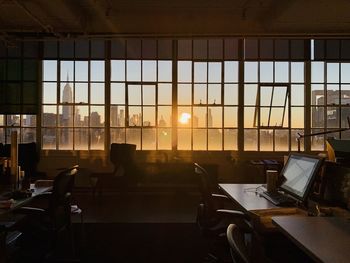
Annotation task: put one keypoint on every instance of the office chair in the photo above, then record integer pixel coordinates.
(124, 174)
(212, 215)
(45, 225)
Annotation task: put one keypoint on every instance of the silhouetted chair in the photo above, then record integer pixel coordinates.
(212, 215)
(124, 174)
(45, 225)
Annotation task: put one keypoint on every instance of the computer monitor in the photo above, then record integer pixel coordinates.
(299, 173)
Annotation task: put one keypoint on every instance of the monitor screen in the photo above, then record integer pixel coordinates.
(299, 173)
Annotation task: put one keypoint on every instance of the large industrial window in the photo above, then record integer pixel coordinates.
(73, 98)
(274, 106)
(207, 95)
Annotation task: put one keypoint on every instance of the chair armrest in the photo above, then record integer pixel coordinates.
(233, 214)
(30, 211)
(219, 196)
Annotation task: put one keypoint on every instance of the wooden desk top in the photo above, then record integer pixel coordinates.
(246, 196)
(325, 239)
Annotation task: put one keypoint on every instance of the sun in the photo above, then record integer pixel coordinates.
(185, 118)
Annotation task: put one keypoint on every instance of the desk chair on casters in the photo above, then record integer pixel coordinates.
(47, 224)
(212, 215)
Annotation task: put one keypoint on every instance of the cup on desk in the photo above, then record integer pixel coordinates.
(271, 180)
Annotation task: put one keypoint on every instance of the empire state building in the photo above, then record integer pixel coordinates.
(67, 113)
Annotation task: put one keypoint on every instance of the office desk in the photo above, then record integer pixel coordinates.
(324, 239)
(259, 209)
(21, 202)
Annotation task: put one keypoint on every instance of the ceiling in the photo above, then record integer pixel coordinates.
(92, 18)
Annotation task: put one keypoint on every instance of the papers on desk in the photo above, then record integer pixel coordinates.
(6, 204)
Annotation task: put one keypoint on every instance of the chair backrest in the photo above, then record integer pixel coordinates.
(204, 185)
(238, 247)
(59, 206)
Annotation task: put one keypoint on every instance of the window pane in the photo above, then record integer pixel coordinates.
(317, 94)
(149, 94)
(199, 139)
(164, 94)
(200, 72)
(184, 139)
(332, 117)
(332, 72)
(65, 139)
(184, 71)
(265, 96)
(345, 72)
(230, 139)
(81, 116)
(117, 135)
(81, 93)
(317, 117)
(250, 140)
(333, 94)
(184, 117)
(133, 136)
(297, 72)
(48, 139)
(66, 92)
(317, 142)
(345, 95)
(81, 71)
(149, 116)
(250, 94)
(214, 72)
(97, 139)
(230, 117)
(297, 95)
(199, 117)
(67, 70)
(250, 72)
(165, 71)
(135, 116)
(118, 70)
(281, 140)
(200, 94)
(164, 116)
(28, 135)
(214, 94)
(97, 95)
(66, 116)
(266, 140)
(97, 72)
(279, 96)
(164, 139)
(249, 114)
(215, 117)
(148, 139)
(149, 70)
(117, 115)
(231, 71)
(117, 93)
(49, 116)
(133, 70)
(214, 139)
(231, 94)
(134, 94)
(50, 70)
(281, 71)
(184, 95)
(317, 72)
(81, 139)
(294, 140)
(50, 92)
(266, 71)
(97, 116)
(297, 117)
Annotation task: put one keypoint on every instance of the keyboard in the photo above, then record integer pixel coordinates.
(278, 199)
